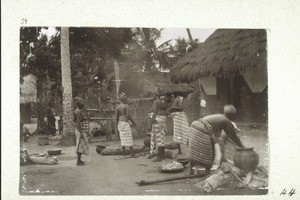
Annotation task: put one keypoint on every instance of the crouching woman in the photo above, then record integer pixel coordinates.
(201, 141)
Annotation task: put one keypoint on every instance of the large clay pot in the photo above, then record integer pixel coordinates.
(246, 159)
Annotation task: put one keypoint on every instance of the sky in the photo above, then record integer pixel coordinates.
(166, 34)
(49, 32)
(174, 33)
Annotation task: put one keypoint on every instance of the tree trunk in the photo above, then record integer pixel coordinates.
(68, 137)
(117, 74)
(190, 35)
(192, 42)
(39, 104)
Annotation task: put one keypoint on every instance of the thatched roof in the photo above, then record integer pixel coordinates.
(143, 84)
(225, 53)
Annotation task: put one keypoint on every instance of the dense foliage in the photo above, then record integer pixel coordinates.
(92, 52)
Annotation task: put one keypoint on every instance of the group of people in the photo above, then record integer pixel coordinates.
(205, 138)
(160, 111)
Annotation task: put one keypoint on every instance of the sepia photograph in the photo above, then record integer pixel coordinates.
(150, 99)
(143, 111)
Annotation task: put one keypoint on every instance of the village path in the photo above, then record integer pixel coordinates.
(105, 176)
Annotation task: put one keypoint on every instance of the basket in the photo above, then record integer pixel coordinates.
(43, 140)
(170, 169)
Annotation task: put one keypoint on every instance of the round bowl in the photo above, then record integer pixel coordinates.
(99, 148)
(54, 152)
(170, 170)
(183, 161)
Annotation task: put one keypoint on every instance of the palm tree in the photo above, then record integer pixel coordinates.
(149, 53)
(38, 59)
(146, 37)
(192, 43)
(68, 129)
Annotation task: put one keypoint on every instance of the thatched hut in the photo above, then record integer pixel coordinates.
(232, 66)
(143, 84)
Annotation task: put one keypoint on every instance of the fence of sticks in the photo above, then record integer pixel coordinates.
(140, 108)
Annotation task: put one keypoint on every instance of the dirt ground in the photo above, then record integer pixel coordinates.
(103, 175)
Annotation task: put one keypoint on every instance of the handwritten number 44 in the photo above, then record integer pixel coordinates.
(284, 192)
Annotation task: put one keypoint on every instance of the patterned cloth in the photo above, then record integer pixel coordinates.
(85, 126)
(158, 133)
(200, 147)
(125, 134)
(82, 144)
(181, 127)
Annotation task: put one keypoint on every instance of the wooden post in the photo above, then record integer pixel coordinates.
(231, 91)
(117, 73)
(190, 36)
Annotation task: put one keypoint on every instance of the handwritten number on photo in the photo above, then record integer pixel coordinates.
(284, 192)
(23, 21)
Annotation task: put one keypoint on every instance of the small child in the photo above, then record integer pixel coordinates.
(60, 125)
(24, 133)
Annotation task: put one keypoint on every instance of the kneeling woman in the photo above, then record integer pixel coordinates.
(124, 120)
(201, 140)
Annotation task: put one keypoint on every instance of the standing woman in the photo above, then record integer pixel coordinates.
(180, 123)
(81, 130)
(124, 121)
(158, 124)
(51, 119)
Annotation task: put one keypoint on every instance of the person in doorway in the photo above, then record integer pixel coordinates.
(202, 102)
(202, 139)
(180, 123)
(82, 128)
(157, 124)
(124, 121)
(51, 119)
